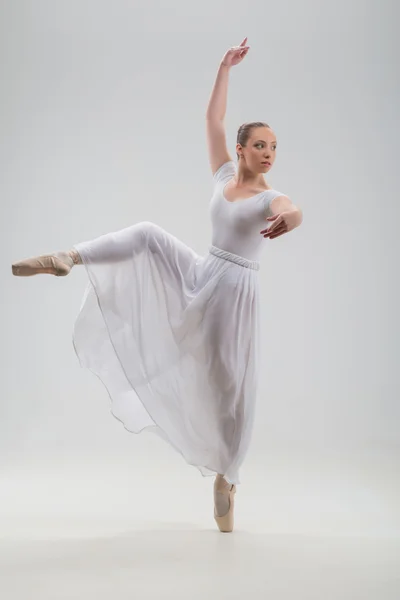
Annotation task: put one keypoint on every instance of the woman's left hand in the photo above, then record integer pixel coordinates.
(283, 223)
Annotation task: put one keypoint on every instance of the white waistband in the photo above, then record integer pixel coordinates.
(239, 260)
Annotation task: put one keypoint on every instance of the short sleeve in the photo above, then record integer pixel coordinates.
(225, 172)
(268, 197)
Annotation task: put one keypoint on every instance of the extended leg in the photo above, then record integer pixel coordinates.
(111, 247)
(118, 246)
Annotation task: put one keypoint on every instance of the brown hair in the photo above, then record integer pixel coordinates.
(245, 130)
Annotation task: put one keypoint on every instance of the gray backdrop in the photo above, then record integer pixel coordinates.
(103, 125)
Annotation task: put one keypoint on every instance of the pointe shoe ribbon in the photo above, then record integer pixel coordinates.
(225, 522)
(59, 264)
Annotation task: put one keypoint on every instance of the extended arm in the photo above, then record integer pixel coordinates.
(216, 137)
(282, 204)
(284, 216)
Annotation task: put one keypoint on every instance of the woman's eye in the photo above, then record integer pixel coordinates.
(273, 148)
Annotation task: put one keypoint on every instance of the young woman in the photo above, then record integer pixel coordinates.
(173, 335)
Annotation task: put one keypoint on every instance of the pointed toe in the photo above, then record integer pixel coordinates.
(58, 264)
(225, 522)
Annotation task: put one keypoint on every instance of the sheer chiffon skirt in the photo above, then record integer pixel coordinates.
(173, 336)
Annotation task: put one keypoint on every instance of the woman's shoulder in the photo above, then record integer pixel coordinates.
(225, 171)
(275, 200)
(274, 192)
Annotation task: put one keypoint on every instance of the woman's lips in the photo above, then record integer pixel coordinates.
(266, 163)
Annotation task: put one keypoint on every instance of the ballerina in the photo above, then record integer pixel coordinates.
(173, 335)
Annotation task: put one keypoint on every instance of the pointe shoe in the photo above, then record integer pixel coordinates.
(59, 264)
(225, 522)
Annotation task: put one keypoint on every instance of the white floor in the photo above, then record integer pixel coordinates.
(97, 533)
(178, 562)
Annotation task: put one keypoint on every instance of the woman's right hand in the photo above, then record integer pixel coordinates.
(235, 55)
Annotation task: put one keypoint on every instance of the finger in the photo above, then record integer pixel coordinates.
(277, 234)
(267, 230)
(276, 230)
(244, 42)
(275, 220)
(272, 227)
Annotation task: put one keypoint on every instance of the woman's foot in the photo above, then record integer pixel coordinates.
(224, 496)
(58, 263)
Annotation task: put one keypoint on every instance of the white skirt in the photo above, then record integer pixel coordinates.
(174, 337)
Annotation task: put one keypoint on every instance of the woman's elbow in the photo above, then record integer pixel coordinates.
(299, 216)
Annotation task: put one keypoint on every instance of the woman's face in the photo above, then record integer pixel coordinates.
(260, 148)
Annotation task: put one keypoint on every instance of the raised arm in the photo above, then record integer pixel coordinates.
(215, 127)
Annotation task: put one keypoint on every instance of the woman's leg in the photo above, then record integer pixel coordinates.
(119, 246)
(111, 247)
